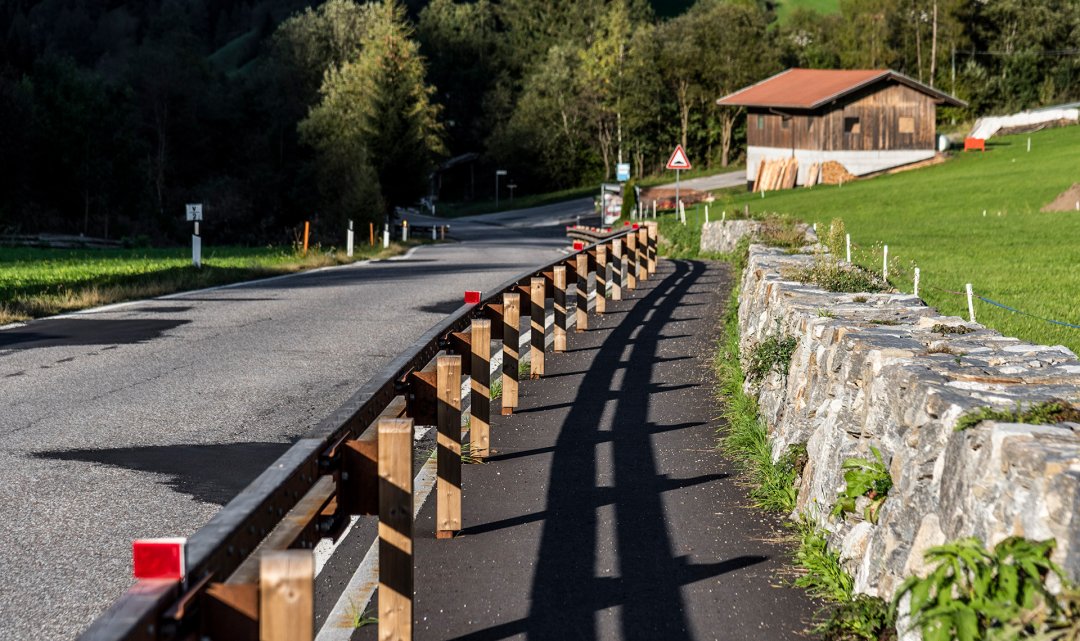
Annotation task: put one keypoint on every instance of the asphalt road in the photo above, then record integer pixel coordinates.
(141, 420)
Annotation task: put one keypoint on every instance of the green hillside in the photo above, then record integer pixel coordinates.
(934, 218)
(785, 7)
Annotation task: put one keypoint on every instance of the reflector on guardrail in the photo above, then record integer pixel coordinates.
(159, 558)
(471, 297)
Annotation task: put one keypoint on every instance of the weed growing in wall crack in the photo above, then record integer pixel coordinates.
(832, 275)
(864, 477)
(973, 593)
(770, 355)
(1045, 413)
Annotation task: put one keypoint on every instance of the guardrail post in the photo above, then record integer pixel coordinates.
(652, 226)
(616, 269)
(582, 293)
(603, 277)
(536, 329)
(641, 259)
(511, 357)
(560, 308)
(448, 457)
(287, 596)
(480, 412)
(395, 529)
(631, 258)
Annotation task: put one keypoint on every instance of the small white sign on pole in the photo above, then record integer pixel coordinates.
(193, 212)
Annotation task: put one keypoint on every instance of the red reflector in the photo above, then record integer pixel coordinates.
(158, 558)
(636, 226)
(625, 223)
(472, 298)
(578, 245)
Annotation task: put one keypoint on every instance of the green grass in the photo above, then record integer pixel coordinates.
(40, 282)
(786, 7)
(933, 218)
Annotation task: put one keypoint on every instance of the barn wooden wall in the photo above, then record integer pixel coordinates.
(879, 110)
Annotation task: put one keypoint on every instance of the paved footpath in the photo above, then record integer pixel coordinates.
(607, 512)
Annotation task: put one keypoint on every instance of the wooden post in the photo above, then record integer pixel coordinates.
(480, 373)
(536, 329)
(603, 275)
(287, 596)
(643, 253)
(616, 269)
(560, 308)
(395, 529)
(307, 232)
(653, 228)
(631, 258)
(511, 358)
(371, 233)
(448, 500)
(582, 293)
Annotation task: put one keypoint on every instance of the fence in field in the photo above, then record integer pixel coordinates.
(250, 574)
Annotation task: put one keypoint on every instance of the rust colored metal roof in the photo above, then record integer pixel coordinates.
(812, 88)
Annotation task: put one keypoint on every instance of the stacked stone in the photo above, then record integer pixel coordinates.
(874, 374)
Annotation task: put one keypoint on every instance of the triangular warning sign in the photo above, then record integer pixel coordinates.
(678, 159)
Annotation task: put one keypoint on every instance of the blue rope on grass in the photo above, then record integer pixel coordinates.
(1017, 311)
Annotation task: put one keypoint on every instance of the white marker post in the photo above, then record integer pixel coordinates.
(386, 236)
(706, 214)
(404, 231)
(194, 213)
(847, 240)
(916, 281)
(971, 303)
(1029, 144)
(885, 265)
(434, 233)
(654, 209)
(349, 240)
(723, 216)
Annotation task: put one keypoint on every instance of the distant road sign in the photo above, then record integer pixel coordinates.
(678, 159)
(194, 212)
(622, 172)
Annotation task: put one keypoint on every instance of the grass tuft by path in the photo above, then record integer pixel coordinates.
(42, 282)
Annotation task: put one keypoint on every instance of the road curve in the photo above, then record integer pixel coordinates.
(141, 420)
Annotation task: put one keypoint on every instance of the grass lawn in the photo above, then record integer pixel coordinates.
(41, 282)
(933, 218)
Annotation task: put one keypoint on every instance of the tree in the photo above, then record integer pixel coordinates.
(375, 120)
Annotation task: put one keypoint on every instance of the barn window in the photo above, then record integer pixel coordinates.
(907, 125)
(760, 121)
(852, 126)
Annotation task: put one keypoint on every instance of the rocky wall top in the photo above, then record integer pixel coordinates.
(886, 371)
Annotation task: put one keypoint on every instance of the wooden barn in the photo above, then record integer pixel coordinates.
(866, 120)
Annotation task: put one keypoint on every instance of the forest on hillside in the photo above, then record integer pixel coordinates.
(115, 113)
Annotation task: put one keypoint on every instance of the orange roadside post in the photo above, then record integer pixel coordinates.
(307, 232)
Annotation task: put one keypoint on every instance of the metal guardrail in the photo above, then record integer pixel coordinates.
(332, 473)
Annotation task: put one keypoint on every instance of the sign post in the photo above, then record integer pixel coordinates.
(194, 214)
(498, 172)
(678, 162)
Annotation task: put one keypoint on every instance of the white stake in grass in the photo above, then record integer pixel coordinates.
(885, 264)
(654, 209)
(706, 214)
(848, 242)
(349, 238)
(385, 236)
(723, 214)
(971, 303)
(916, 281)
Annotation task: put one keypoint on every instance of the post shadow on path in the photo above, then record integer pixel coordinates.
(566, 595)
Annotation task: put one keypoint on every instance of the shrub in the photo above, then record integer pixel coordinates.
(833, 275)
(1045, 413)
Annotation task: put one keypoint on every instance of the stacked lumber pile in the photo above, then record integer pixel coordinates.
(833, 173)
(813, 175)
(776, 174)
(665, 198)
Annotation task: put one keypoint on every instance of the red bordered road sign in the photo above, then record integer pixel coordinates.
(678, 159)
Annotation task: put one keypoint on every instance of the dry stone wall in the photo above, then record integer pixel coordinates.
(877, 374)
